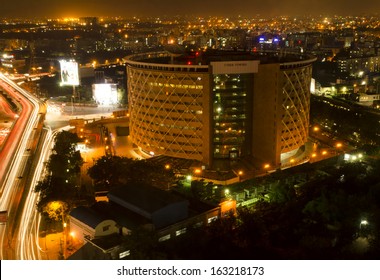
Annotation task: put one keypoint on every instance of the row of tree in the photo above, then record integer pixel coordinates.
(60, 188)
(115, 171)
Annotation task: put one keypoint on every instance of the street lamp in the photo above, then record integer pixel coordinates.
(363, 223)
(362, 231)
(72, 236)
(240, 173)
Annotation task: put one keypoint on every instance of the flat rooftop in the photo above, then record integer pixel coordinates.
(205, 58)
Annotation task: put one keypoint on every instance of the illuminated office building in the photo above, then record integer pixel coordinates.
(220, 105)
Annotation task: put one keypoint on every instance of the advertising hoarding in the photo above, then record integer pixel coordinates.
(69, 73)
(105, 94)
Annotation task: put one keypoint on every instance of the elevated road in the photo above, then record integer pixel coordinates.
(16, 162)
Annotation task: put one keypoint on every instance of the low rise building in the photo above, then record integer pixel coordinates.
(136, 207)
(91, 223)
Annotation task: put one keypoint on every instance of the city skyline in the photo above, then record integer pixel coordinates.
(157, 8)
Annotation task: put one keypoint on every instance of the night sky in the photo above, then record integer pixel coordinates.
(128, 8)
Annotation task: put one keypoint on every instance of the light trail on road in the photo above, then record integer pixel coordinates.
(15, 160)
(28, 247)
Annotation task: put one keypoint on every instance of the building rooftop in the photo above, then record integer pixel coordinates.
(121, 215)
(205, 58)
(90, 216)
(147, 198)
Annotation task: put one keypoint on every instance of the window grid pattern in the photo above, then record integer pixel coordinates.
(296, 108)
(166, 112)
(229, 114)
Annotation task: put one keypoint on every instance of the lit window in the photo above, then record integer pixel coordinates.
(124, 254)
(212, 219)
(181, 231)
(199, 224)
(164, 238)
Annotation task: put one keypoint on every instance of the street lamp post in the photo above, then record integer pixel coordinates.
(64, 240)
(72, 105)
(362, 223)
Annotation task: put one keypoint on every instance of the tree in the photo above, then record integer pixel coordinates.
(107, 171)
(63, 169)
(65, 143)
(113, 171)
(56, 210)
(281, 193)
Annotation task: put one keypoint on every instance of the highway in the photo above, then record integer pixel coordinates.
(28, 235)
(16, 159)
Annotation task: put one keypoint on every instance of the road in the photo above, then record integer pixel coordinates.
(28, 247)
(15, 164)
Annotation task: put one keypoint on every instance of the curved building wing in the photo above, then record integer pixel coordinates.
(167, 108)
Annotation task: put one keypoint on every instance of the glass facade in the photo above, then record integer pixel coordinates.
(231, 99)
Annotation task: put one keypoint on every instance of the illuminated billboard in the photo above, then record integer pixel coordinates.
(105, 94)
(69, 73)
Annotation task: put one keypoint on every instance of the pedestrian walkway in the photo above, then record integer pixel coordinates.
(51, 245)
